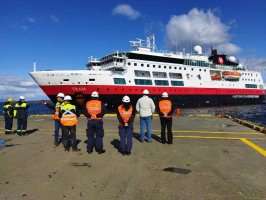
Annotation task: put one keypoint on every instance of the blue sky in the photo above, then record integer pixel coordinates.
(62, 34)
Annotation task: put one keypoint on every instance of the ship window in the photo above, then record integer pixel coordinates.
(159, 74)
(161, 82)
(143, 82)
(92, 79)
(66, 80)
(185, 68)
(170, 67)
(148, 65)
(135, 64)
(177, 83)
(174, 67)
(164, 67)
(251, 85)
(199, 77)
(159, 66)
(129, 63)
(153, 66)
(175, 75)
(180, 68)
(192, 69)
(187, 76)
(204, 70)
(121, 81)
(142, 65)
(140, 73)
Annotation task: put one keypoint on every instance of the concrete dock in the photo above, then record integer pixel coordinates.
(211, 159)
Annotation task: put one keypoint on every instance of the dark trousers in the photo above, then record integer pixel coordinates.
(57, 126)
(166, 123)
(69, 137)
(8, 124)
(95, 128)
(126, 135)
(22, 126)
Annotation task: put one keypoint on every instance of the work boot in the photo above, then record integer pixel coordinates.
(56, 143)
(75, 149)
(89, 151)
(128, 153)
(101, 151)
(123, 153)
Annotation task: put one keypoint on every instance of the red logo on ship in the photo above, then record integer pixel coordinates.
(220, 60)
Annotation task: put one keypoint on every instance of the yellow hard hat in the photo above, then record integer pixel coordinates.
(10, 99)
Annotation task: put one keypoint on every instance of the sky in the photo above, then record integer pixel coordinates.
(63, 34)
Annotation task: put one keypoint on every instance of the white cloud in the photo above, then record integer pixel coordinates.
(31, 19)
(201, 28)
(54, 18)
(15, 86)
(228, 48)
(126, 10)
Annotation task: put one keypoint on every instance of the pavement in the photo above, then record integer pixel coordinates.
(211, 158)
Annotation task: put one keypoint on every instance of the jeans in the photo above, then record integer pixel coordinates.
(166, 122)
(57, 126)
(145, 121)
(95, 128)
(126, 135)
(69, 136)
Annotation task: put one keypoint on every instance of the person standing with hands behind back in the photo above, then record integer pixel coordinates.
(21, 113)
(126, 115)
(145, 106)
(165, 111)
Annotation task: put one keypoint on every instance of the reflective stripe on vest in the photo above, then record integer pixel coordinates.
(165, 106)
(68, 117)
(125, 114)
(94, 107)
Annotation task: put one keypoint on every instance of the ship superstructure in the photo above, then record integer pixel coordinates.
(189, 79)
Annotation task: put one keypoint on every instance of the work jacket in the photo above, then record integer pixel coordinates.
(125, 116)
(96, 108)
(8, 110)
(68, 115)
(21, 110)
(165, 106)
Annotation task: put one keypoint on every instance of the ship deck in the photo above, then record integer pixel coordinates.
(211, 158)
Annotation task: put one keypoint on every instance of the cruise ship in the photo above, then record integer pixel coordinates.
(191, 80)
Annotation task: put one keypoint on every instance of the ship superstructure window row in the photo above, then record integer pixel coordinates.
(159, 74)
(251, 85)
(141, 73)
(196, 63)
(143, 82)
(121, 81)
(161, 82)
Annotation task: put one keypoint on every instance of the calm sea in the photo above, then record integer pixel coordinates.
(254, 113)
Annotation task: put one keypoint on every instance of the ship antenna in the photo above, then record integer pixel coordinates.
(34, 66)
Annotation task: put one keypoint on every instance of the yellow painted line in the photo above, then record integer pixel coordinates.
(220, 138)
(254, 146)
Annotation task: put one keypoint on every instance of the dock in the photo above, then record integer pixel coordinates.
(211, 158)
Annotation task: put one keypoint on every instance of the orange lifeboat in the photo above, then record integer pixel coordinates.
(231, 75)
(216, 77)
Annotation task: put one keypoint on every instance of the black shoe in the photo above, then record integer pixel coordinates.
(56, 143)
(163, 141)
(123, 153)
(170, 142)
(89, 151)
(101, 151)
(67, 149)
(128, 153)
(75, 149)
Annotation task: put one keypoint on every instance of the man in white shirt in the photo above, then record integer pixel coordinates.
(145, 106)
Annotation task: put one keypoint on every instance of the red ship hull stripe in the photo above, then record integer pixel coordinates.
(137, 90)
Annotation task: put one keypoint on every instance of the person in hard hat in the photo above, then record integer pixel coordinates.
(21, 113)
(165, 110)
(57, 125)
(94, 111)
(69, 119)
(8, 114)
(145, 106)
(125, 116)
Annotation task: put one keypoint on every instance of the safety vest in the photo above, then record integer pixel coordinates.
(125, 114)
(57, 108)
(17, 106)
(69, 118)
(6, 110)
(165, 106)
(94, 107)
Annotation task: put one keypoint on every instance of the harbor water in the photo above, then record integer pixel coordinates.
(254, 113)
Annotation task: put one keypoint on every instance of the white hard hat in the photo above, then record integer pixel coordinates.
(67, 98)
(146, 91)
(126, 99)
(165, 94)
(21, 98)
(94, 94)
(60, 95)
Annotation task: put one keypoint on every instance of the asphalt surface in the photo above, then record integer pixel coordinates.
(210, 158)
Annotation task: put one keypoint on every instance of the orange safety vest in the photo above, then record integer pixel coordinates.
(94, 107)
(165, 106)
(125, 114)
(68, 117)
(56, 113)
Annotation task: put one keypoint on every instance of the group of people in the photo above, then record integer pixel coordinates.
(66, 118)
(20, 112)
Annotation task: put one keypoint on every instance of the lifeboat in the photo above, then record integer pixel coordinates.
(216, 77)
(231, 75)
